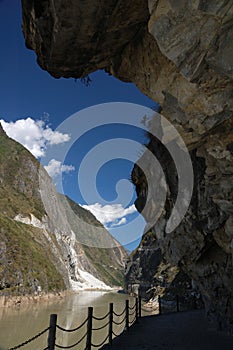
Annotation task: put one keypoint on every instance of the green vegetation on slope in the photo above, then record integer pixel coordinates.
(109, 271)
(107, 261)
(86, 215)
(25, 265)
(18, 180)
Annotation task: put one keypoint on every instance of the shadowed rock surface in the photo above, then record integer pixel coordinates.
(180, 54)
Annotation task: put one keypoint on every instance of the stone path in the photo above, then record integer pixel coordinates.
(177, 331)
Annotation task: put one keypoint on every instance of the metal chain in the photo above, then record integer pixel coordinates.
(100, 318)
(119, 315)
(116, 335)
(102, 327)
(132, 313)
(30, 340)
(99, 345)
(132, 322)
(71, 346)
(74, 329)
(133, 307)
(119, 323)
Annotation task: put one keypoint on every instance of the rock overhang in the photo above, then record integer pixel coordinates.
(179, 54)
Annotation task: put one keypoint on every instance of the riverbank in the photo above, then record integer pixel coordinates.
(17, 324)
(17, 301)
(30, 299)
(177, 331)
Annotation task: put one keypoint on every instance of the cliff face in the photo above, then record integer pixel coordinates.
(150, 274)
(180, 54)
(202, 244)
(94, 30)
(42, 235)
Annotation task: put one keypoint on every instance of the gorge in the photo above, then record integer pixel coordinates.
(42, 234)
(180, 54)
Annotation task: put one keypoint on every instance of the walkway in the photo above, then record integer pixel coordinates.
(176, 331)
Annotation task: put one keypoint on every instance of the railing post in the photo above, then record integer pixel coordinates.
(160, 306)
(52, 332)
(89, 328)
(140, 306)
(127, 315)
(136, 310)
(177, 304)
(110, 323)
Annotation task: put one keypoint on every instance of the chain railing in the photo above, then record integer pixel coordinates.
(30, 340)
(112, 319)
(126, 318)
(161, 305)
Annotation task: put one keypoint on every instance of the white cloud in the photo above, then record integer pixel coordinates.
(120, 222)
(34, 135)
(113, 215)
(55, 168)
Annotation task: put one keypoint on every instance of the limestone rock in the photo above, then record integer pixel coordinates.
(94, 32)
(180, 54)
(161, 278)
(202, 244)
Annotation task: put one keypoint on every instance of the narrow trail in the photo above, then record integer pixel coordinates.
(176, 331)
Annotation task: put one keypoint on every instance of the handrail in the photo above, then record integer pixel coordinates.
(113, 320)
(134, 320)
(102, 327)
(53, 327)
(72, 346)
(120, 314)
(102, 343)
(119, 323)
(133, 307)
(74, 329)
(30, 340)
(131, 313)
(100, 318)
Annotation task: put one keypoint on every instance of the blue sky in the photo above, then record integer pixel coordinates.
(37, 104)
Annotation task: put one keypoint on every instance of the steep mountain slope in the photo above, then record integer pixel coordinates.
(40, 250)
(91, 234)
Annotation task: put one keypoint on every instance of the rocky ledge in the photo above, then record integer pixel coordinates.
(180, 54)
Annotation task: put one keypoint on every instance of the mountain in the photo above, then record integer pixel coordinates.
(47, 241)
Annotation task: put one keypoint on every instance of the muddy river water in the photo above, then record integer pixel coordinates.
(17, 324)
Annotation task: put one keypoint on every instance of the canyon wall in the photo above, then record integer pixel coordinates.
(42, 233)
(180, 54)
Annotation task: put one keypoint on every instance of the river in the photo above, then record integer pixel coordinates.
(22, 323)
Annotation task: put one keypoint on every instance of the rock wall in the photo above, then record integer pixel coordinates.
(149, 274)
(180, 54)
(202, 244)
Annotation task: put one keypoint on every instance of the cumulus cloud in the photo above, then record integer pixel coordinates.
(34, 135)
(55, 168)
(110, 215)
(119, 223)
